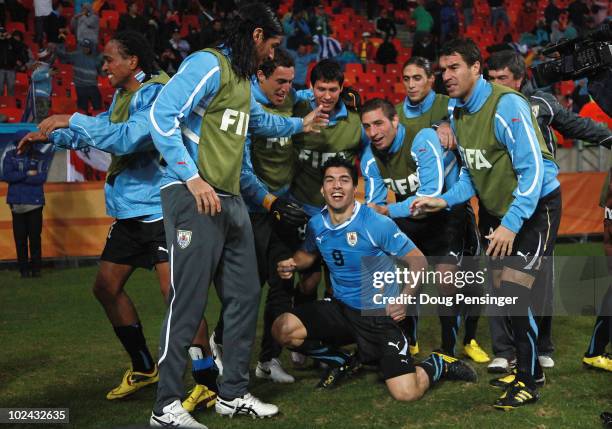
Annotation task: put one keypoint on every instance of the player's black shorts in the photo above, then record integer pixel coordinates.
(136, 243)
(440, 236)
(293, 237)
(379, 339)
(536, 238)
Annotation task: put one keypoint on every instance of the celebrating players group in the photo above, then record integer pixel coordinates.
(225, 175)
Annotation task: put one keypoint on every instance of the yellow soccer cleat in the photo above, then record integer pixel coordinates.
(598, 362)
(516, 396)
(414, 350)
(132, 382)
(475, 352)
(200, 394)
(509, 380)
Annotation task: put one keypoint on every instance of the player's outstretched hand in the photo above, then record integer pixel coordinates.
(315, 120)
(383, 210)
(423, 205)
(53, 123)
(500, 242)
(286, 268)
(288, 212)
(397, 311)
(446, 136)
(29, 139)
(206, 198)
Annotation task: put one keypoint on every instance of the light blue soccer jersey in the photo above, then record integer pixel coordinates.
(354, 250)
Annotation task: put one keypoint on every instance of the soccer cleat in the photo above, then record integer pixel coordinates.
(217, 353)
(272, 370)
(475, 352)
(516, 396)
(603, 361)
(508, 380)
(174, 416)
(500, 365)
(200, 394)
(248, 405)
(333, 375)
(133, 381)
(458, 370)
(414, 350)
(546, 361)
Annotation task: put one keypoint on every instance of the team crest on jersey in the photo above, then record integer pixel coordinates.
(183, 238)
(351, 238)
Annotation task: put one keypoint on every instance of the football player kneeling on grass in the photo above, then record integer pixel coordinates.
(346, 234)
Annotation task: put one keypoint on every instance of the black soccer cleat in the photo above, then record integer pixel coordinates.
(508, 380)
(456, 369)
(516, 396)
(333, 375)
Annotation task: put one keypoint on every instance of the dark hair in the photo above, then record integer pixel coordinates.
(340, 161)
(466, 48)
(513, 60)
(327, 71)
(281, 59)
(239, 38)
(132, 43)
(387, 108)
(421, 62)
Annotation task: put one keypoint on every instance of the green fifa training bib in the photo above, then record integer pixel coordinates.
(398, 170)
(273, 158)
(225, 124)
(487, 160)
(342, 139)
(121, 113)
(437, 112)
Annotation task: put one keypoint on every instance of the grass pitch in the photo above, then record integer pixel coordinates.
(58, 350)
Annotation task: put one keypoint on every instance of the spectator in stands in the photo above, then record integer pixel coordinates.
(386, 53)
(170, 60)
(42, 10)
(578, 11)
(132, 20)
(551, 13)
(86, 25)
(508, 44)
(26, 175)
(367, 51)
(87, 64)
(302, 57)
(570, 31)
(423, 22)
(19, 13)
(425, 47)
(555, 32)
(449, 21)
(542, 37)
(57, 25)
(371, 9)
(580, 95)
(434, 8)
(8, 62)
(23, 54)
(385, 25)
(527, 17)
(498, 13)
(319, 23)
(42, 75)
(347, 56)
(179, 44)
(468, 12)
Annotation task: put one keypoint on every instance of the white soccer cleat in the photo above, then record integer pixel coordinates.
(174, 415)
(248, 405)
(500, 365)
(273, 370)
(217, 353)
(546, 361)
